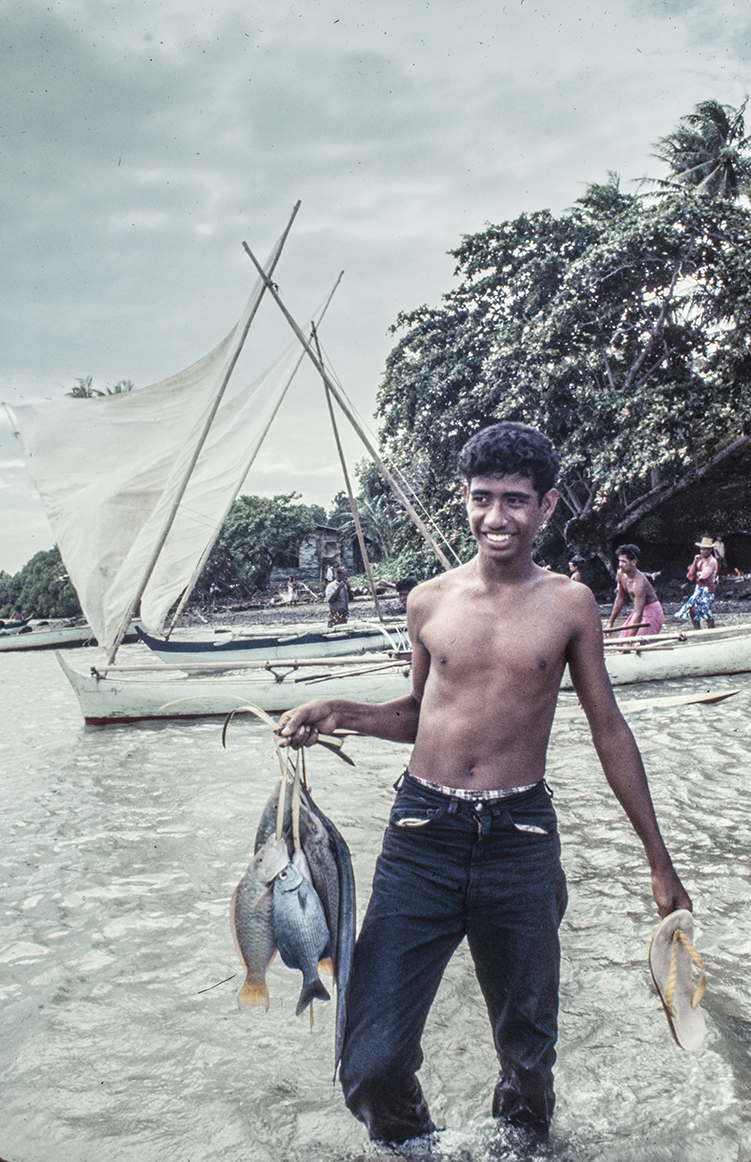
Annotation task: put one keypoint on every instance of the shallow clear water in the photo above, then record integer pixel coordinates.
(121, 1037)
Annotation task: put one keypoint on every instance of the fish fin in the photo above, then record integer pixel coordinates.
(309, 993)
(326, 966)
(254, 995)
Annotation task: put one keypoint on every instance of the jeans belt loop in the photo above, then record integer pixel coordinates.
(453, 805)
(399, 781)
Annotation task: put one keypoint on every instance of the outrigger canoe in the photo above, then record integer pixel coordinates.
(279, 644)
(121, 694)
(46, 637)
(689, 654)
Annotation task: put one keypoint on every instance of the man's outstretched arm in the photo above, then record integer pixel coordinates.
(622, 763)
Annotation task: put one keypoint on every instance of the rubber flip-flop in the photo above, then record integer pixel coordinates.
(671, 959)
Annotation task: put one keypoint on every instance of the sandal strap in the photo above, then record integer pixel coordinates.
(701, 987)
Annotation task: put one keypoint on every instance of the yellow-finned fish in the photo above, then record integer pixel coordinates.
(251, 919)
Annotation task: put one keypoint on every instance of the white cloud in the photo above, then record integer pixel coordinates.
(142, 143)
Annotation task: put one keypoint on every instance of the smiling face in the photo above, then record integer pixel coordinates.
(504, 514)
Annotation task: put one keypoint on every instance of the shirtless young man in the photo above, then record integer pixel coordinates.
(637, 586)
(472, 847)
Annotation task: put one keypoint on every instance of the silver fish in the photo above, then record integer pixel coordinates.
(267, 824)
(301, 932)
(324, 872)
(300, 861)
(270, 858)
(251, 919)
(344, 950)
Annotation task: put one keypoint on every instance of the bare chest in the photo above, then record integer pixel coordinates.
(474, 641)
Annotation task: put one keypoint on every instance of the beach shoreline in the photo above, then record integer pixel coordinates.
(728, 612)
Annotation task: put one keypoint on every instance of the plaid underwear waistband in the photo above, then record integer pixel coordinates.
(473, 796)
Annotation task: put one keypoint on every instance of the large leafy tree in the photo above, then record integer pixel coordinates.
(259, 533)
(42, 588)
(620, 327)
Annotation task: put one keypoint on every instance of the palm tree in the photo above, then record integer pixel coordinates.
(380, 523)
(709, 150)
(84, 390)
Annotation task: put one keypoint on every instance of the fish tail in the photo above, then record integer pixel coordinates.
(254, 994)
(316, 989)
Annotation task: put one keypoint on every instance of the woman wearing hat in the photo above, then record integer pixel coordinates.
(702, 570)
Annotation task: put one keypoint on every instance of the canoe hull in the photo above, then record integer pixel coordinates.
(48, 639)
(692, 659)
(278, 645)
(120, 699)
(123, 698)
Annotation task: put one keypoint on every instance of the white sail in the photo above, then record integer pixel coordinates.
(108, 470)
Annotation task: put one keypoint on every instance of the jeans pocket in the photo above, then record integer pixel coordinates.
(531, 828)
(534, 818)
(414, 817)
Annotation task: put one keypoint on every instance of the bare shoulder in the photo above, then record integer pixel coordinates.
(557, 587)
(430, 593)
(427, 598)
(573, 606)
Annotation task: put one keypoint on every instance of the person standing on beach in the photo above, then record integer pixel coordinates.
(575, 572)
(703, 571)
(338, 595)
(472, 845)
(647, 615)
(403, 588)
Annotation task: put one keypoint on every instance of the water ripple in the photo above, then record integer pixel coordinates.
(121, 848)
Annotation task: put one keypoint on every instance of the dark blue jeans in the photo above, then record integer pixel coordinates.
(449, 868)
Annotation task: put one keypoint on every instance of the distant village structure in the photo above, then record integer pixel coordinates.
(318, 558)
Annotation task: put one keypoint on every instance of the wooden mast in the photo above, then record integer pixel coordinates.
(350, 494)
(201, 441)
(417, 519)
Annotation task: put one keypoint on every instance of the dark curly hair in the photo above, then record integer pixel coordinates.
(631, 551)
(509, 448)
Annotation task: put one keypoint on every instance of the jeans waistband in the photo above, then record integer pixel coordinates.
(470, 795)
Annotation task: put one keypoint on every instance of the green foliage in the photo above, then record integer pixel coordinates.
(7, 592)
(709, 151)
(419, 562)
(621, 328)
(382, 517)
(380, 524)
(84, 390)
(258, 534)
(340, 511)
(42, 587)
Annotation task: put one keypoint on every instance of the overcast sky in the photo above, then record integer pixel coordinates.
(141, 143)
